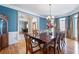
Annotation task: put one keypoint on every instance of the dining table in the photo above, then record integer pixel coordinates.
(45, 39)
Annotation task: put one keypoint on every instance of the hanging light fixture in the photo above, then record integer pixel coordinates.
(50, 19)
(50, 16)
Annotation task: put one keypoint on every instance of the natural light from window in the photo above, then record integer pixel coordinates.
(62, 24)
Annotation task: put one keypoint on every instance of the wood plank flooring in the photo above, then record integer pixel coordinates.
(20, 48)
(13, 49)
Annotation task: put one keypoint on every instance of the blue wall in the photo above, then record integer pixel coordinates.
(42, 23)
(12, 18)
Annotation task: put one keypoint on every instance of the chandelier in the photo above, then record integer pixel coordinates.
(50, 17)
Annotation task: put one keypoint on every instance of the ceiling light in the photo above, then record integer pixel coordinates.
(50, 16)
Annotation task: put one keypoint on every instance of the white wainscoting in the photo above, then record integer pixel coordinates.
(21, 37)
(13, 37)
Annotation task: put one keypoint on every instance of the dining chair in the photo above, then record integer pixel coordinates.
(31, 45)
(62, 38)
(44, 37)
(35, 32)
(55, 44)
(27, 42)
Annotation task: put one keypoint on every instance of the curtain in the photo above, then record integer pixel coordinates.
(71, 32)
(78, 26)
(57, 28)
(67, 25)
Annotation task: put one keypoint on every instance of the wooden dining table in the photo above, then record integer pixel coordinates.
(43, 38)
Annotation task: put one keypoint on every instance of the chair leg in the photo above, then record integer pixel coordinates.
(49, 50)
(58, 50)
(54, 50)
(26, 51)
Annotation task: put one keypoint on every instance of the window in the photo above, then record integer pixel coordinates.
(75, 18)
(62, 24)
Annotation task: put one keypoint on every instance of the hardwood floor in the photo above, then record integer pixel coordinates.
(20, 48)
(13, 49)
(71, 47)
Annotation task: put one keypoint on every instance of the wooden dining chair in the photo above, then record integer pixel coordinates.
(31, 46)
(44, 37)
(55, 44)
(35, 32)
(62, 38)
(61, 41)
(27, 42)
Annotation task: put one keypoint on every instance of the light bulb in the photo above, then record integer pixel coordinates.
(53, 17)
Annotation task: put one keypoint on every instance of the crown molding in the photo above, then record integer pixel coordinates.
(22, 10)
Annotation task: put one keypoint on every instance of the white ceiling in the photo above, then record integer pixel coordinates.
(43, 9)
